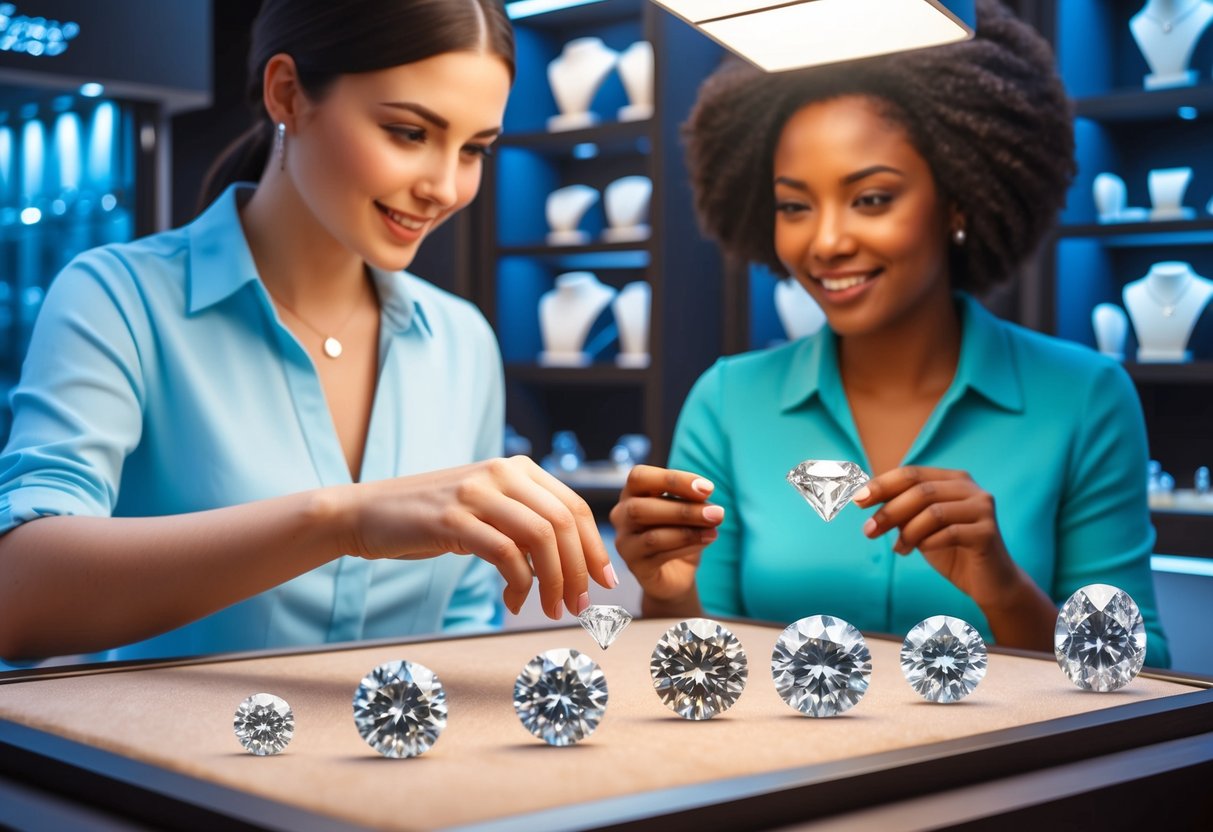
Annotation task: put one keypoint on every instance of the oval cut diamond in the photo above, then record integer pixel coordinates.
(827, 485)
(400, 709)
(264, 724)
(561, 696)
(821, 665)
(698, 668)
(1100, 638)
(943, 658)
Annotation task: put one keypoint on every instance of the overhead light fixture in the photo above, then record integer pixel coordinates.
(777, 35)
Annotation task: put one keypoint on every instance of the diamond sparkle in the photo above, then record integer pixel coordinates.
(821, 665)
(604, 623)
(827, 485)
(943, 658)
(400, 709)
(264, 724)
(1100, 638)
(561, 696)
(698, 668)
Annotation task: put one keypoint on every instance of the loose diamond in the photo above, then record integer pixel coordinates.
(264, 724)
(828, 485)
(698, 668)
(400, 709)
(1100, 638)
(943, 658)
(604, 623)
(821, 665)
(560, 696)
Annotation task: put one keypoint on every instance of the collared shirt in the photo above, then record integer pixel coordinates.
(160, 380)
(1053, 430)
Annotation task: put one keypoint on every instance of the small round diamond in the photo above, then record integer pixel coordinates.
(943, 658)
(698, 668)
(1100, 638)
(560, 696)
(400, 709)
(264, 724)
(821, 665)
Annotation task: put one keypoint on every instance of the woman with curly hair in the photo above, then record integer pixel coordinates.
(1010, 462)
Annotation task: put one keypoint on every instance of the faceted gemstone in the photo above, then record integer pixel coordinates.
(1100, 638)
(264, 724)
(828, 485)
(698, 668)
(821, 665)
(604, 623)
(943, 658)
(400, 709)
(560, 696)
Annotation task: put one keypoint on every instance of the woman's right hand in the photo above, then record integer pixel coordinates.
(509, 512)
(663, 522)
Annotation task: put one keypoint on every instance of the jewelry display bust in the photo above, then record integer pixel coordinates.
(626, 201)
(1166, 32)
(636, 73)
(1111, 326)
(564, 209)
(798, 312)
(1167, 186)
(575, 76)
(631, 309)
(567, 313)
(1164, 307)
(1111, 196)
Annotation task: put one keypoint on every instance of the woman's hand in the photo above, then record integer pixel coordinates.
(663, 522)
(510, 512)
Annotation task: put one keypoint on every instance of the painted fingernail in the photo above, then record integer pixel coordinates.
(583, 602)
(869, 527)
(702, 486)
(611, 577)
(713, 514)
(862, 494)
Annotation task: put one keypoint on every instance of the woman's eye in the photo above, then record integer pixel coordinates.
(409, 134)
(790, 207)
(873, 200)
(481, 150)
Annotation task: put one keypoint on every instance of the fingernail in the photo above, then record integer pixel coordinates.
(869, 527)
(583, 602)
(556, 610)
(862, 494)
(713, 514)
(612, 578)
(708, 535)
(702, 486)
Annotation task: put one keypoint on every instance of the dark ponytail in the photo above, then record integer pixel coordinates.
(329, 39)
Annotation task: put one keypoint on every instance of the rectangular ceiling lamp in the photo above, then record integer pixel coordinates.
(776, 35)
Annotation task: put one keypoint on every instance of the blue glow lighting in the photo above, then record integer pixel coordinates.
(109, 202)
(529, 8)
(92, 90)
(1187, 113)
(30, 216)
(67, 150)
(1182, 566)
(33, 176)
(585, 150)
(35, 36)
(101, 138)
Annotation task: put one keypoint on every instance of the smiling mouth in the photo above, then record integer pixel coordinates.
(403, 220)
(838, 284)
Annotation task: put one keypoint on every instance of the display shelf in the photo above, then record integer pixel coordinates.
(1195, 373)
(608, 138)
(1183, 533)
(635, 255)
(1198, 231)
(1140, 106)
(594, 375)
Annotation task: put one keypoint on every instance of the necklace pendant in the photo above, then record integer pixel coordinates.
(333, 348)
(1168, 311)
(1166, 27)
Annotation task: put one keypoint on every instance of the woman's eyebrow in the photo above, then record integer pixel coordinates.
(435, 119)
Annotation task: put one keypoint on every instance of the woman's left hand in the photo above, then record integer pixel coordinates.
(950, 519)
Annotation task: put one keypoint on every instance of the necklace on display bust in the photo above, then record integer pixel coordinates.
(1168, 307)
(330, 343)
(1169, 23)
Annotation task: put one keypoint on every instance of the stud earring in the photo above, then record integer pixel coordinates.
(959, 236)
(280, 145)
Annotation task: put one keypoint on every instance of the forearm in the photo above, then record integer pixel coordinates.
(80, 584)
(1024, 616)
(686, 606)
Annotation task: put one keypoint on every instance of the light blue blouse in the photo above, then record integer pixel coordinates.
(1053, 430)
(160, 380)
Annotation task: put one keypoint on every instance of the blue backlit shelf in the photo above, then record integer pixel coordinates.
(1170, 233)
(608, 138)
(1138, 105)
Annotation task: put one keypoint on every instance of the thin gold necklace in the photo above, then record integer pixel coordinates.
(330, 343)
(1168, 24)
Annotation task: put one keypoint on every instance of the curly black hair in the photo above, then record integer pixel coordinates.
(989, 115)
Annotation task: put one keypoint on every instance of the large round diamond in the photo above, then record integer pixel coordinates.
(698, 668)
(400, 709)
(1100, 638)
(943, 658)
(821, 665)
(264, 724)
(560, 696)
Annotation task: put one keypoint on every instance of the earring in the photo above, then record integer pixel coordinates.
(280, 145)
(959, 237)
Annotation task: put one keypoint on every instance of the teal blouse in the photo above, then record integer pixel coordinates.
(1053, 430)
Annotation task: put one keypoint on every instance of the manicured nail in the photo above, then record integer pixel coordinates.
(713, 514)
(869, 527)
(556, 610)
(708, 535)
(702, 486)
(862, 494)
(611, 577)
(583, 602)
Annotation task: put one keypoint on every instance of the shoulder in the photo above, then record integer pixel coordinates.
(127, 270)
(748, 380)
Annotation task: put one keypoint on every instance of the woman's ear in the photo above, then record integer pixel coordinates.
(282, 94)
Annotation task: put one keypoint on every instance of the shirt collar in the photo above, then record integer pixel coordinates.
(986, 366)
(221, 264)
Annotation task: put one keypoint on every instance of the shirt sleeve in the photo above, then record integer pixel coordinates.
(700, 446)
(77, 409)
(1104, 533)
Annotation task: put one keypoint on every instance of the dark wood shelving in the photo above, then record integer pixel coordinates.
(595, 375)
(542, 250)
(1195, 372)
(611, 138)
(1139, 105)
(1198, 231)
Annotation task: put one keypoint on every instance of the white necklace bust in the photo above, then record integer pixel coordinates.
(1164, 307)
(575, 76)
(1166, 32)
(567, 313)
(631, 309)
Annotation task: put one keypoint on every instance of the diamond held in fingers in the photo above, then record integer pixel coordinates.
(821, 665)
(698, 668)
(264, 724)
(604, 623)
(561, 696)
(400, 709)
(943, 658)
(827, 485)
(1100, 638)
